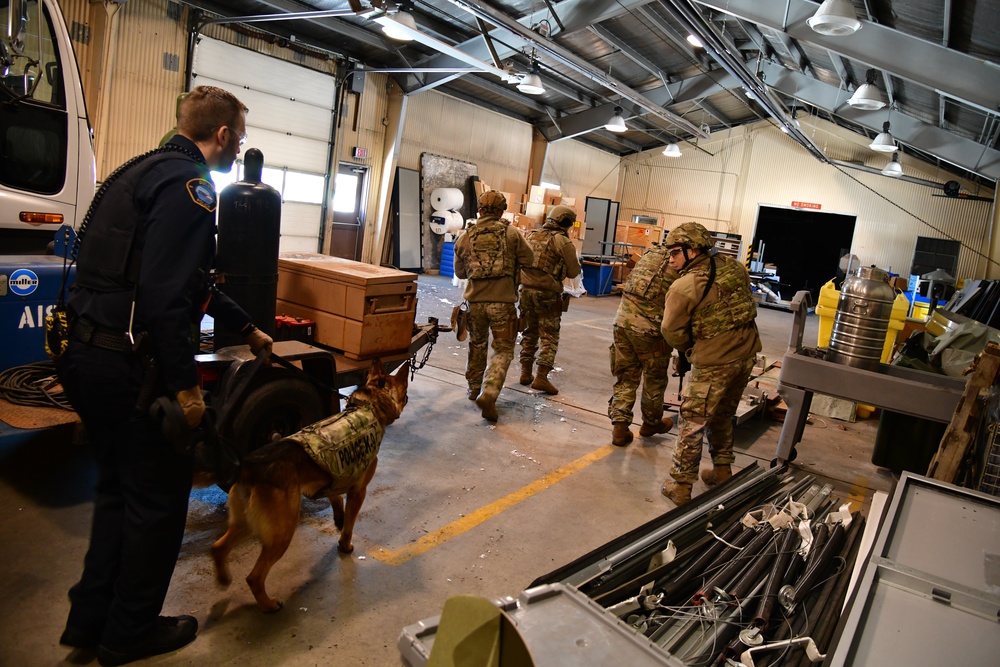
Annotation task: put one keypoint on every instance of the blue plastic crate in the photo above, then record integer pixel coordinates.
(597, 278)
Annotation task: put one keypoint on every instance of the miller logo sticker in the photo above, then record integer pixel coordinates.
(202, 193)
(23, 282)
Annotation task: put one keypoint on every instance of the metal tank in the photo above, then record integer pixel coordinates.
(862, 319)
(247, 255)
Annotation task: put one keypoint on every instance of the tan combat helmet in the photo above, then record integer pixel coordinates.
(562, 215)
(689, 234)
(492, 202)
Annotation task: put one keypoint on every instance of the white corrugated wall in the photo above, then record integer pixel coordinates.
(581, 171)
(759, 164)
(150, 53)
(499, 146)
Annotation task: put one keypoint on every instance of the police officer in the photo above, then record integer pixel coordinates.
(490, 255)
(142, 285)
(542, 295)
(709, 317)
(639, 353)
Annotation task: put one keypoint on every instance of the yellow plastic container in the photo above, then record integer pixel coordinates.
(826, 309)
(897, 320)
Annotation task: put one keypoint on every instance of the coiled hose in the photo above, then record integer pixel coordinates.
(34, 385)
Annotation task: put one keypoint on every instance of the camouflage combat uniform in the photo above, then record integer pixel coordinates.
(541, 292)
(639, 352)
(719, 336)
(489, 255)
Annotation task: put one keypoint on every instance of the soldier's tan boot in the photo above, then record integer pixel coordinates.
(716, 475)
(474, 393)
(663, 426)
(526, 376)
(620, 434)
(678, 492)
(542, 383)
(487, 402)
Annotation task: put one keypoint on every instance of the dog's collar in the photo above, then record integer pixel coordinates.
(358, 403)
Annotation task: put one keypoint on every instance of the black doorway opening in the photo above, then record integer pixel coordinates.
(805, 245)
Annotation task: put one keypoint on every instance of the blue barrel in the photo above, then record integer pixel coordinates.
(448, 259)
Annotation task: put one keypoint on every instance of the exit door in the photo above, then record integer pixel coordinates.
(347, 228)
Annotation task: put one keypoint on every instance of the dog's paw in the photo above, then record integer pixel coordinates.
(345, 548)
(273, 606)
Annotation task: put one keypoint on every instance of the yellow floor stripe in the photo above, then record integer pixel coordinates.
(469, 521)
(856, 496)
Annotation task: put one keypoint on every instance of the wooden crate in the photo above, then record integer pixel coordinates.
(360, 309)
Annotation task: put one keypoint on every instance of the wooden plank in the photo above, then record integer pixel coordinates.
(958, 438)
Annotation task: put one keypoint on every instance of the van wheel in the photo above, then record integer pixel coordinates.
(278, 404)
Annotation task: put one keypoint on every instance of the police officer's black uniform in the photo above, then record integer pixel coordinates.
(167, 203)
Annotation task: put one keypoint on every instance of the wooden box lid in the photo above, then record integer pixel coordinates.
(337, 269)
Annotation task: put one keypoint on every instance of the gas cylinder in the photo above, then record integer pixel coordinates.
(862, 320)
(247, 257)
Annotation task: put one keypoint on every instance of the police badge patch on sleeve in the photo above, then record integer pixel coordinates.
(203, 193)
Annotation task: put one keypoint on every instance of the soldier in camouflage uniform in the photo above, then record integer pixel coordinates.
(639, 352)
(542, 295)
(709, 317)
(490, 255)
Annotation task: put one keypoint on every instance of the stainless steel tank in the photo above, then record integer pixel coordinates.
(862, 319)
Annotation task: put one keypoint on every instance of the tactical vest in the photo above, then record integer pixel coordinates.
(488, 256)
(547, 258)
(735, 306)
(651, 276)
(110, 259)
(345, 444)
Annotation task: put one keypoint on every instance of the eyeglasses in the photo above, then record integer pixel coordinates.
(673, 252)
(243, 137)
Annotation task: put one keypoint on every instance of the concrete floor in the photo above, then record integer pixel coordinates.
(458, 506)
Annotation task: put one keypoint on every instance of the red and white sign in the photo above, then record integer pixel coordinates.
(805, 204)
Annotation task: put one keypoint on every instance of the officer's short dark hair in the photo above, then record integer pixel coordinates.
(206, 109)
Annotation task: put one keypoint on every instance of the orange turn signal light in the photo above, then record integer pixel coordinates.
(42, 218)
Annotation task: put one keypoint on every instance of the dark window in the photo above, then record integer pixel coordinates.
(33, 119)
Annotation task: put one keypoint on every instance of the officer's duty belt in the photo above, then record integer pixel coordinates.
(108, 339)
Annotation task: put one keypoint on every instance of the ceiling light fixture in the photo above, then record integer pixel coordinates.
(400, 34)
(695, 42)
(672, 150)
(867, 96)
(893, 169)
(835, 18)
(531, 84)
(617, 122)
(884, 143)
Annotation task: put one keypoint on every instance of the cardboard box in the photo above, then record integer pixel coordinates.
(360, 309)
(901, 283)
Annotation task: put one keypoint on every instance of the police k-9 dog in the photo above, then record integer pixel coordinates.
(333, 457)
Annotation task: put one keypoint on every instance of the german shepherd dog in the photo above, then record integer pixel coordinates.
(333, 457)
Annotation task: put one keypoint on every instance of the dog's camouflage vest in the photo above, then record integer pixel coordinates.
(345, 444)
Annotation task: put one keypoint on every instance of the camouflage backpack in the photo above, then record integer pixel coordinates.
(735, 306)
(651, 276)
(547, 259)
(488, 256)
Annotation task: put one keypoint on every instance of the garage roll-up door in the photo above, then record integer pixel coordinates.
(290, 119)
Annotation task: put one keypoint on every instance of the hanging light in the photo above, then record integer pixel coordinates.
(531, 84)
(672, 150)
(884, 143)
(695, 42)
(399, 32)
(893, 169)
(867, 96)
(616, 123)
(835, 18)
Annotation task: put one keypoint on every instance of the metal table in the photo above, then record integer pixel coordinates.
(904, 390)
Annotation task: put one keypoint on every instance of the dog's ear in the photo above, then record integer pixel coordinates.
(376, 375)
(402, 376)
